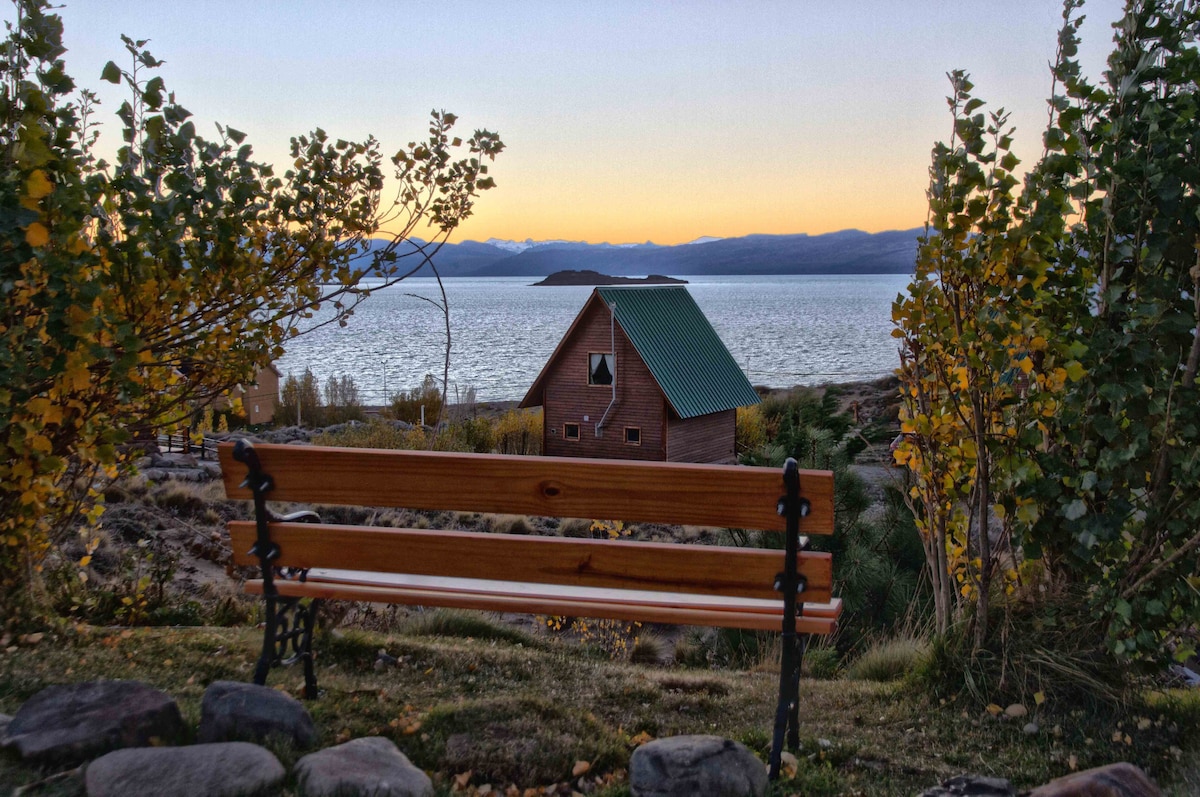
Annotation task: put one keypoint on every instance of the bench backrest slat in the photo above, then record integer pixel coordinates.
(727, 496)
(667, 567)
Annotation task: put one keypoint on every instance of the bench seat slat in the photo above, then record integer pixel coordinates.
(727, 496)
(521, 589)
(822, 620)
(611, 564)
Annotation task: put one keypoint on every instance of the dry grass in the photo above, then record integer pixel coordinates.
(889, 660)
(519, 713)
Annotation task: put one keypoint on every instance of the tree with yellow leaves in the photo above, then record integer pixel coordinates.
(136, 290)
(973, 359)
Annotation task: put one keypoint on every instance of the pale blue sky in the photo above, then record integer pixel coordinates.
(624, 121)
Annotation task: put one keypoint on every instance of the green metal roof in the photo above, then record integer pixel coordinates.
(685, 355)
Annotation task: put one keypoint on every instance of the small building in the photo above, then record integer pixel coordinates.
(260, 398)
(641, 374)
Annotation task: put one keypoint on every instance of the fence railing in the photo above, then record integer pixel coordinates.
(183, 444)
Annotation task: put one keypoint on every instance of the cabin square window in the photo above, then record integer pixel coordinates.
(633, 435)
(571, 431)
(600, 369)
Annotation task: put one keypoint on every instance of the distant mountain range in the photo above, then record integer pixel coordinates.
(845, 252)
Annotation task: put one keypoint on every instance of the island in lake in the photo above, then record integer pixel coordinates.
(596, 278)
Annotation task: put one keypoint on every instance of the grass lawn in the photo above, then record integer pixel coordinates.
(515, 710)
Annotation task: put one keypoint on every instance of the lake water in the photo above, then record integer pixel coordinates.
(783, 331)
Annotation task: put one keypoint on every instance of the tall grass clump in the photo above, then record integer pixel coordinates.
(889, 659)
(1050, 646)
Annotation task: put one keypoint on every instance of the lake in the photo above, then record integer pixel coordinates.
(783, 331)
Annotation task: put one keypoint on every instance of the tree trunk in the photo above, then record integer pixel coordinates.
(983, 507)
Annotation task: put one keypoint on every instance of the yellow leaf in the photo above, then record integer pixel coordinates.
(85, 561)
(641, 739)
(1039, 697)
(37, 235)
(37, 185)
(994, 710)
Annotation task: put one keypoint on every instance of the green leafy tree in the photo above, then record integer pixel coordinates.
(135, 290)
(1070, 404)
(1120, 495)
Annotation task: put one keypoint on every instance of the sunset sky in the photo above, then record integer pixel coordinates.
(624, 121)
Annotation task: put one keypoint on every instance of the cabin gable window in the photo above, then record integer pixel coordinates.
(600, 368)
(633, 435)
(570, 431)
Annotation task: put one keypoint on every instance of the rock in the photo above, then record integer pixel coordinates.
(230, 769)
(234, 711)
(1015, 711)
(1187, 675)
(1115, 780)
(1030, 729)
(371, 766)
(686, 766)
(69, 724)
(972, 786)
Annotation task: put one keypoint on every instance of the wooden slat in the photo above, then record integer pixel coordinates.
(550, 605)
(615, 564)
(774, 608)
(727, 496)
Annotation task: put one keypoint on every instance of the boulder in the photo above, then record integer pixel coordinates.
(1115, 780)
(230, 769)
(372, 766)
(72, 723)
(972, 786)
(234, 711)
(688, 766)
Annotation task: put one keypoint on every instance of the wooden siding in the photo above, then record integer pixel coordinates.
(568, 397)
(707, 438)
(259, 400)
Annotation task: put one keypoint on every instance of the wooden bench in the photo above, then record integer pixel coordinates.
(302, 558)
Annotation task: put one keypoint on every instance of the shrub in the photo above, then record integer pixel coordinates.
(520, 432)
(469, 434)
(751, 430)
(876, 565)
(889, 659)
(822, 662)
(424, 402)
(375, 433)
